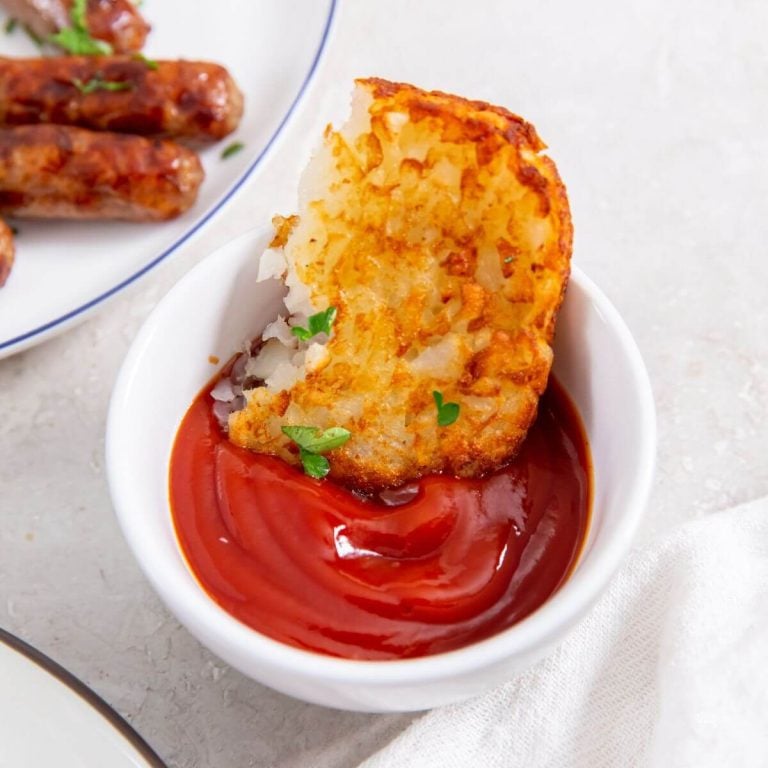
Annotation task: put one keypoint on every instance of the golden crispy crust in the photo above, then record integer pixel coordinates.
(443, 238)
(459, 115)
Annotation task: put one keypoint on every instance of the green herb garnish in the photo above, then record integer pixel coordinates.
(77, 39)
(312, 443)
(447, 413)
(10, 25)
(509, 259)
(232, 149)
(33, 36)
(150, 63)
(319, 323)
(314, 464)
(97, 84)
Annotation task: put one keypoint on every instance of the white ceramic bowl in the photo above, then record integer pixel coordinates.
(212, 311)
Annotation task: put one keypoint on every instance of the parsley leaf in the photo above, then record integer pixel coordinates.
(319, 323)
(35, 38)
(312, 443)
(10, 25)
(447, 413)
(78, 42)
(77, 13)
(312, 440)
(77, 39)
(232, 149)
(150, 63)
(314, 465)
(97, 84)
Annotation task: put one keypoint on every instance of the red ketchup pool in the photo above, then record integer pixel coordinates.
(308, 563)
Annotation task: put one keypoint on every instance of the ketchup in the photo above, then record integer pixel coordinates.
(309, 563)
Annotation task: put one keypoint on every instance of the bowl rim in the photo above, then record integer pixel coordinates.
(229, 637)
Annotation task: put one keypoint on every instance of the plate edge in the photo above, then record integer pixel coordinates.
(60, 324)
(77, 686)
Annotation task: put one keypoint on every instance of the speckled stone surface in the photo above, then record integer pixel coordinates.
(655, 112)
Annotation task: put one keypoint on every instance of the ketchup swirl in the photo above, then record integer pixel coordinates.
(311, 564)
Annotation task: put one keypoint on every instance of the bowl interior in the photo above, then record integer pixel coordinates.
(218, 306)
(599, 365)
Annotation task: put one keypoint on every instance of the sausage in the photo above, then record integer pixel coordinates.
(117, 22)
(7, 252)
(191, 100)
(53, 171)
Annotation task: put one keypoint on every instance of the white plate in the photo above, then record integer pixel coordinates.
(49, 718)
(64, 270)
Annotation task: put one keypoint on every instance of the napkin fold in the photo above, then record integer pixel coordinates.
(669, 669)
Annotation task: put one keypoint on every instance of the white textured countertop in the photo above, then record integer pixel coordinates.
(656, 115)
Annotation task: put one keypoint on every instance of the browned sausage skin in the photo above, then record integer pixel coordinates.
(60, 172)
(118, 22)
(196, 101)
(7, 252)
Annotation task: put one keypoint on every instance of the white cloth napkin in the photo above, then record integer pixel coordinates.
(669, 669)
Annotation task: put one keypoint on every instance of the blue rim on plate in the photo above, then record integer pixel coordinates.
(72, 314)
(84, 692)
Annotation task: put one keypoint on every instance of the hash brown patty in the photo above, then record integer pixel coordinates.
(442, 236)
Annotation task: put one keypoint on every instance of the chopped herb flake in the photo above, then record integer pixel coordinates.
(97, 84)
(150, 63)
(10, 25)
(312, 443)
(33, 36)
(77, 14)
(232, 149)
(314, 465)
(319, 323)
(447, 413)
(509, 259)
(80, 43)
(77, 39)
